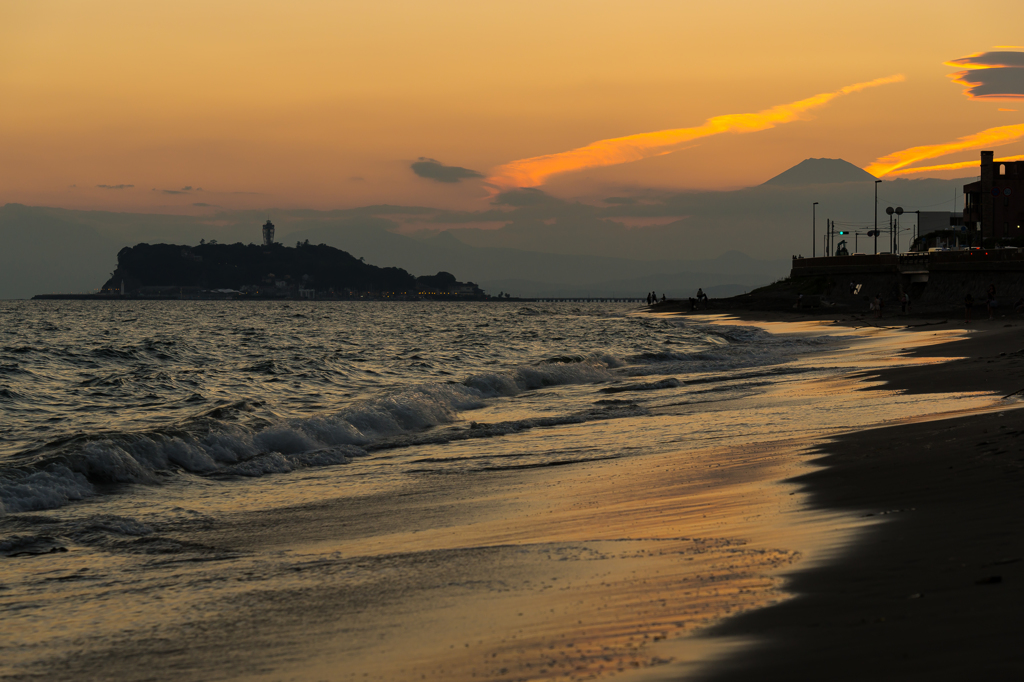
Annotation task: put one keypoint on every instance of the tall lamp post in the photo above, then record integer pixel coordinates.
(896, 234)
(876, 216)
(889, 211)
(814, 240)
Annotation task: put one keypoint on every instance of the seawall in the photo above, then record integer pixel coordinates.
(937, 279)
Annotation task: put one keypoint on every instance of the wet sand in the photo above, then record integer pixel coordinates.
(608, 570)
(934, 592)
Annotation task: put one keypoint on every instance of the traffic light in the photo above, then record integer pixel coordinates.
(843, 232)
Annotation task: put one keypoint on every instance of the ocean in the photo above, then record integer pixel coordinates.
(334, 490)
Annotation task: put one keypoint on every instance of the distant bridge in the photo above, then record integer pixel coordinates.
(576, 299)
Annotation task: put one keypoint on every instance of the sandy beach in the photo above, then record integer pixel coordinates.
(935, 591)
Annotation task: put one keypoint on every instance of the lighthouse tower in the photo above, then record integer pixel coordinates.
(268, 233)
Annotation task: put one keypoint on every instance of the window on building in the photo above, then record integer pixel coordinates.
(1002, 169)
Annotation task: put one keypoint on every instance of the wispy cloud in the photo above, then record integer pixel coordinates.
(527, 196)
(184, 190)
(993, 137)
(433, 169)
(991, 75)
(536, 170)
(115, 186)
(951, 166)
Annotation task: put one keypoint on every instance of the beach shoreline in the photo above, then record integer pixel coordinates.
(640, 563)
(934, 591)
(784, 591)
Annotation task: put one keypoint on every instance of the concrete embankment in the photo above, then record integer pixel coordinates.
(937, 283)
(941, 278)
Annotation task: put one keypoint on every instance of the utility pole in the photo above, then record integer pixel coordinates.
(814, 240)
(876, 216)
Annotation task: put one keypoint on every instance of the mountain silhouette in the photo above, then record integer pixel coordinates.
(821, 172)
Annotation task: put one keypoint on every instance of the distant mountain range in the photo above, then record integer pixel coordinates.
(725, 242)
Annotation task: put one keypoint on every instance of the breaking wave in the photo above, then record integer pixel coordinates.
(203, 409)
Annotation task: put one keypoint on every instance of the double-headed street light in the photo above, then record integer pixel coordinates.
(894, 236)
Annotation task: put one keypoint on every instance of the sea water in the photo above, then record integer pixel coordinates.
(135, 434)
(96, 394)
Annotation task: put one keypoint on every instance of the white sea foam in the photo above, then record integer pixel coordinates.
(525, 378)
(47, 489)
(319, 440)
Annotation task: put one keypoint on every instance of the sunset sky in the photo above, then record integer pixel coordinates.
(135, 106)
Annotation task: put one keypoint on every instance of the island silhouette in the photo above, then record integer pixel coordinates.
(269, 270)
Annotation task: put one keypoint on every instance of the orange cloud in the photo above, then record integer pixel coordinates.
(991, 75)
(951, 166)
(536, 170)
(993, 137)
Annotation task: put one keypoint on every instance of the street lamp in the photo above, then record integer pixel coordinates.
(894, 235)
(814, 240)
(876, 216)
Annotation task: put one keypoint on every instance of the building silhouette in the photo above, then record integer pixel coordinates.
(994, 205)
(268, 233)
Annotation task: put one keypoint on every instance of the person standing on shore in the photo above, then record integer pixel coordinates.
(968, 304)
(990, 299)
